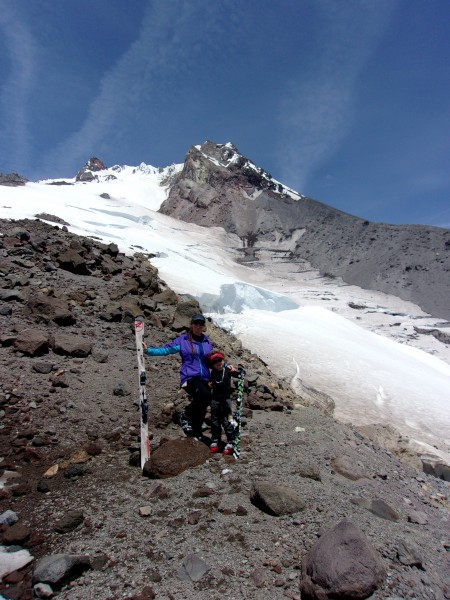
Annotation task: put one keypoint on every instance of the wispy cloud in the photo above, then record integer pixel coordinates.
(164, 54)
(316, 111)
(16, 89)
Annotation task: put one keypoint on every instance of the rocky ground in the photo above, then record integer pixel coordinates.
(312, 505)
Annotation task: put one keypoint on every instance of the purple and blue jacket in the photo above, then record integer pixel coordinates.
(193, 363)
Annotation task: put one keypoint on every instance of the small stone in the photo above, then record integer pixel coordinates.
(70, 521)
(145, 511)
(42, 487)
(9, 517)
(43, 590)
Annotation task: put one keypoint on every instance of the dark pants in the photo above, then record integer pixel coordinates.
(195, 411)
(220, 417)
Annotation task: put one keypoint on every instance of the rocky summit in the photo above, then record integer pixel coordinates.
(220, 187)
(312, 509)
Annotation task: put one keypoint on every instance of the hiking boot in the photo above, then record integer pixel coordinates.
(186, 425)
(214, 447)
(228, 449)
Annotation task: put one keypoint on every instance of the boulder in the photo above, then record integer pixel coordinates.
(70, 345)
(275, 499)
(193, 568)
(32, 342)
(49, 308)
(73, 262)
(174, 457)
(349, 468)
(12, 295)
(16, 534)
(341, 564)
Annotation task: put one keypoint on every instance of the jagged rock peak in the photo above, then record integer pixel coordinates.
(87, 172)
(95, 164)
(227, 158)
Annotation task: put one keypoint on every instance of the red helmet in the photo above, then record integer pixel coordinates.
(215, 357)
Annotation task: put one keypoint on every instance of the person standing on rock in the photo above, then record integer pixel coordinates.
(194, 348)
(221, 412)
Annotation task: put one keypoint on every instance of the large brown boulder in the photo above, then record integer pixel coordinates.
(174, 457)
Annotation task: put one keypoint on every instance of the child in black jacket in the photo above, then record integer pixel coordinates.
(221, 412)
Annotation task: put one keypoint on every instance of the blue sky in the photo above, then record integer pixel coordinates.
(346, 101)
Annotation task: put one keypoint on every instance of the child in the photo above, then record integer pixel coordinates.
(221, 413)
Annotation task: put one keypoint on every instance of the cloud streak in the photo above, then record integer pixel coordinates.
(315, 113)
(164, 54)
(15, 92)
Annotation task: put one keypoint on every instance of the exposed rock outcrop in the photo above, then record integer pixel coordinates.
(220, 187)
(12, 179)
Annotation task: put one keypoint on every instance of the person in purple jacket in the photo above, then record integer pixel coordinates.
(194, 348)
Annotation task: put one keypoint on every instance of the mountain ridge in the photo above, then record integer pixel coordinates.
(410, 261)
(216, 186)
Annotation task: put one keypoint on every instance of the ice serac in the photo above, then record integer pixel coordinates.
(218, 186)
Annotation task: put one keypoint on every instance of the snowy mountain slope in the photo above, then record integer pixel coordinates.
(288, 316)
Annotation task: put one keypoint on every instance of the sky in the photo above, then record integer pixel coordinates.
(345, 101)
(371, 361)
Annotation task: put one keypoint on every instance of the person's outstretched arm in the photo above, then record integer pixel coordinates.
(170, 348)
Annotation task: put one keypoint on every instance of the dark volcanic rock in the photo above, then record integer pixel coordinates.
(73, 261)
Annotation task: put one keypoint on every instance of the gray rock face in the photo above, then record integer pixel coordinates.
(341, 565)
(12, 179)
(409, 261)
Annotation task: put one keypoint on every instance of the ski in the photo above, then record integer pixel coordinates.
(238, 412)
(143, 404)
